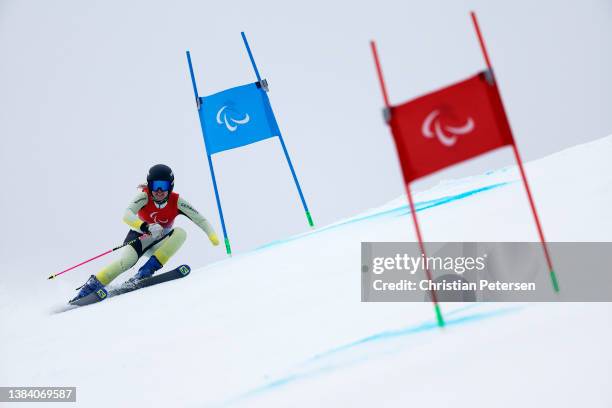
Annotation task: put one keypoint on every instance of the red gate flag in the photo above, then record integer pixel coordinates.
(449, 126)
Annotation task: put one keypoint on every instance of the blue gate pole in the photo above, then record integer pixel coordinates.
(297, 183)
(280, 137)
(193, 81)
(228, 248)
(246, 44)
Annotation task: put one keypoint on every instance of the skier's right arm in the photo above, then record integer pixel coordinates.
(130, 217)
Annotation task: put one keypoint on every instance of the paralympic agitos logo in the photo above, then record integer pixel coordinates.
(230, 117)
(437, 125)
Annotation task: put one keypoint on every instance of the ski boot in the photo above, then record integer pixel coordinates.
(92, 285)
(147, 270)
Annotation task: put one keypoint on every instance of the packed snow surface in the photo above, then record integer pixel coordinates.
(283, 325)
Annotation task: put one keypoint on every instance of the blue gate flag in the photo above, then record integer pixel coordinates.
(236, 117)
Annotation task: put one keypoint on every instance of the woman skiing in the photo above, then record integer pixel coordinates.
(150, 217)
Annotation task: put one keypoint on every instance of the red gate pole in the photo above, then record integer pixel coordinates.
(553, 276)
(434, 298)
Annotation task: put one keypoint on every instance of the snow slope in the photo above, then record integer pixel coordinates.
(284, 326)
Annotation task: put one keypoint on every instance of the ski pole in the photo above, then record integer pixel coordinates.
(96, 257)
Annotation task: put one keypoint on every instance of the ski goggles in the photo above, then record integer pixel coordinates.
(163, 185)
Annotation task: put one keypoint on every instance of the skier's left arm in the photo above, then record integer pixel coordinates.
(188, 211)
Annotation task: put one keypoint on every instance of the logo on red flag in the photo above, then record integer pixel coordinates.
(446, 134)
(449, 126)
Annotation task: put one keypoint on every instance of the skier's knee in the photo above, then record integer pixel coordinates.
(129, 257)
(179, 234)
(170, 245)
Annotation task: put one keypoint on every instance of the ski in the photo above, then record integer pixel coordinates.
(126, 287)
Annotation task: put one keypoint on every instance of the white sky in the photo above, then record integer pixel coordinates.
(92, 93)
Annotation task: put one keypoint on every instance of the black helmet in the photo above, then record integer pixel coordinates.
(160, 172)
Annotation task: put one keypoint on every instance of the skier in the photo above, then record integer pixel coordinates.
(150, 217)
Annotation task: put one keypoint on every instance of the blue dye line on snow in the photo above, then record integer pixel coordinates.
(444, 200)
(398, 211)
(389, 333)
(386, 335)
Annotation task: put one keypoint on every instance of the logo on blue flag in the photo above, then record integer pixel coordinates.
(236, 117)
(227, 115)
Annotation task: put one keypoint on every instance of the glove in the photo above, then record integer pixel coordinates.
(155, 230)
(214, 239)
